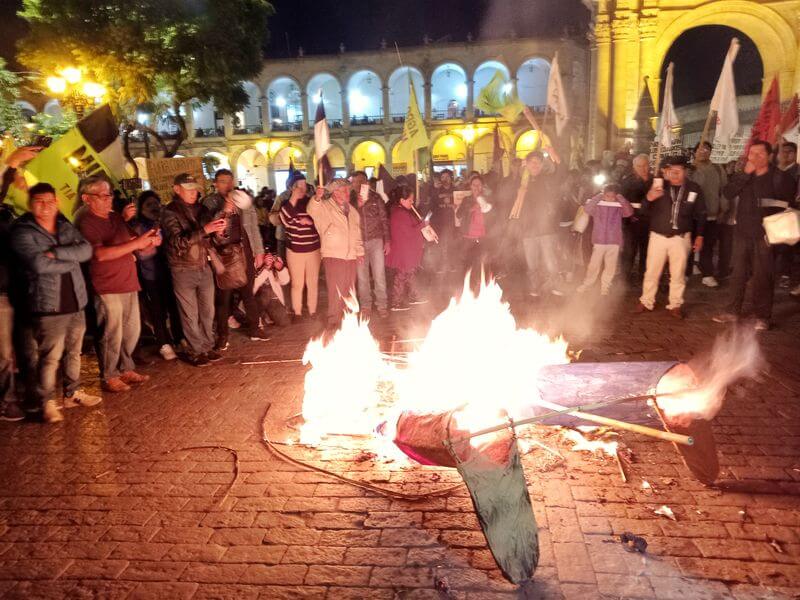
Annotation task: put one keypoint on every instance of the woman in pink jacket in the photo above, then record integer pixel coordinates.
(405, 254)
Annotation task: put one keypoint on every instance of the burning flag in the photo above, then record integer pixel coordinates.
(769, 117)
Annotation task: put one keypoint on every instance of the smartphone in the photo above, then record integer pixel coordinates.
(42, 140)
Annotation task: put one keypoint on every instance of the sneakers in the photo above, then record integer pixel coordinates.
(259, 335)
(725, 318)
(51, 412)
(221, 345)
(761, 325)
(418, 301)
(233, 323)
(130, 377)
(11, 411)
(641, 308)
(197, 360)
(80, 398)
(710, 282)
(213, 356)
(167, 353)
(115, 385)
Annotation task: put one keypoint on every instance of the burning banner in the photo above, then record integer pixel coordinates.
(457, 400)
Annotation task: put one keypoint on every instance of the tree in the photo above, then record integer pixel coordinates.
(11, 117)
(145, 50)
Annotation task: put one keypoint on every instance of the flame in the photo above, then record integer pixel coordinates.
(582, 442)
(698, 392)
(473, 356)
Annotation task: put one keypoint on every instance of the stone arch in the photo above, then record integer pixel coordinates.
(772, 35)
(370, 162)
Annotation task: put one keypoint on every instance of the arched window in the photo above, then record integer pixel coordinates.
(532, 78)
(399, 92)
(450, 152)
(285, 106)
(367, 156)
(251, 170)
(448, 92)
(484, 74)
(286, 157)
(207, 121)
(325, 87)
(248, 120)
(365, 98)
(213, 161)
(52, 108)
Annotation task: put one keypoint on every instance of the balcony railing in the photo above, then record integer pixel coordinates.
(248, 129)
(278, 125)
(210, 132)
(450, 113)
(370, 120)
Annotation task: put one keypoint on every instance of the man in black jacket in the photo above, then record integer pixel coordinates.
(187, 226)
(761, 190)
(673, 210)
(636, 229)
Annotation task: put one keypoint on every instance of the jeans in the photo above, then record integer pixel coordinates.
(541, 257)
(660, 250)
(340, 280)
(637, 234)
(754, 264)
(118, 315)
(59, 339)
(6, 350)
(725, 237)
(223, 298)
(194, 290)
(710, 241)
(374, 262)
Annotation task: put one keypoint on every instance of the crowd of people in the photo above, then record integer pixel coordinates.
(192, 267)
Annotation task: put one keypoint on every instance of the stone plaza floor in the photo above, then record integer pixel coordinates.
(108, 504)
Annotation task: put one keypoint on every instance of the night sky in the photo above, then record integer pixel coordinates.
(319, 26)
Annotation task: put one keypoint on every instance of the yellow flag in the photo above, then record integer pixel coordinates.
(414, 134)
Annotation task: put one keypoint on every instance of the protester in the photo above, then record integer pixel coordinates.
(475, 222)
(785, 255)
(157, 296)
(636, 228)
(405, 255)
(187, 225)
(10, 409)
(241, 239)
(607, 210)
(759, 191)
(302, 248)
(341, 244)
(539, 216)
(443, 221)
(674, 210)
(711, 178)
(51, 249)
(377, 243)
(112, 271)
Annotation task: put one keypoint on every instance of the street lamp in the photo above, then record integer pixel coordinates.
(76, 92)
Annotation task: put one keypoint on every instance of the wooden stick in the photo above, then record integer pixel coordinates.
(621, 469)
(683, 439)
(707, 127)
(624, 425)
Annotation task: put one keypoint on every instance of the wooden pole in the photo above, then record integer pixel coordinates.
(707, 127)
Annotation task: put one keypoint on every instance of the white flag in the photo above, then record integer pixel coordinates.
(556, 99)
(724, 100)
(669, 119)
(322, 134)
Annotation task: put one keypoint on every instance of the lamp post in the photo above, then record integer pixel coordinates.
(75, 91)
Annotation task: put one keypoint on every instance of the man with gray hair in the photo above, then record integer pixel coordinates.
(637, 228)
(112, 271)
(342, 247)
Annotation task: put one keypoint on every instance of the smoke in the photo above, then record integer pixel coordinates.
(735, 356)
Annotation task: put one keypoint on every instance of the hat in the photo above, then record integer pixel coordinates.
(294, 178)
(186, 181)
(678, 160)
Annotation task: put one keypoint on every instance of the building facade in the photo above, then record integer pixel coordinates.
(366, 96)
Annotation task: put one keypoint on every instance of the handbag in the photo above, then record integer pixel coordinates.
(581, 220)
(229, 266)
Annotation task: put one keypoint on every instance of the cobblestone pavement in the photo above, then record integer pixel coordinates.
(106, 505)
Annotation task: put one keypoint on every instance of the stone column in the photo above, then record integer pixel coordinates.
(227, 125)
(601, 67)
(266, 122)
(428, 101)
(470, 99)
(345, 110)
(387, 116)
(304, 106)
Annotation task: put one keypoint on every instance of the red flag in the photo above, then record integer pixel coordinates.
(791, 115)
(769, 117)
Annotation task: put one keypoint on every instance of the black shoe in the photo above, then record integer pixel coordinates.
(198, 360)
(213, 356)
(258, 335)
(11, 411)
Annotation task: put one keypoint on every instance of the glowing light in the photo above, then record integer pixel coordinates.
(280, 101)
(74, 161)
(599, 179)
(94, 90)
(296, 153)
(72, 75)
(358, 103)
(57, 85)
(468, 133)
(318, 97)
(449, 142)
(461, 90)
(262, 147)
(507, 87)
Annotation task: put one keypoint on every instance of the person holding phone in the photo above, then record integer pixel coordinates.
(187, 226)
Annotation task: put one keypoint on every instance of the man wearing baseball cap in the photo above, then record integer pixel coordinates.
(187, 226)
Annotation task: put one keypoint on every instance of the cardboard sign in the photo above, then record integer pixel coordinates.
(161, 172)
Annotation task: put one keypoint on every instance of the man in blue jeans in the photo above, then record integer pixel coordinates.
(51, 250)
(375, 233)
